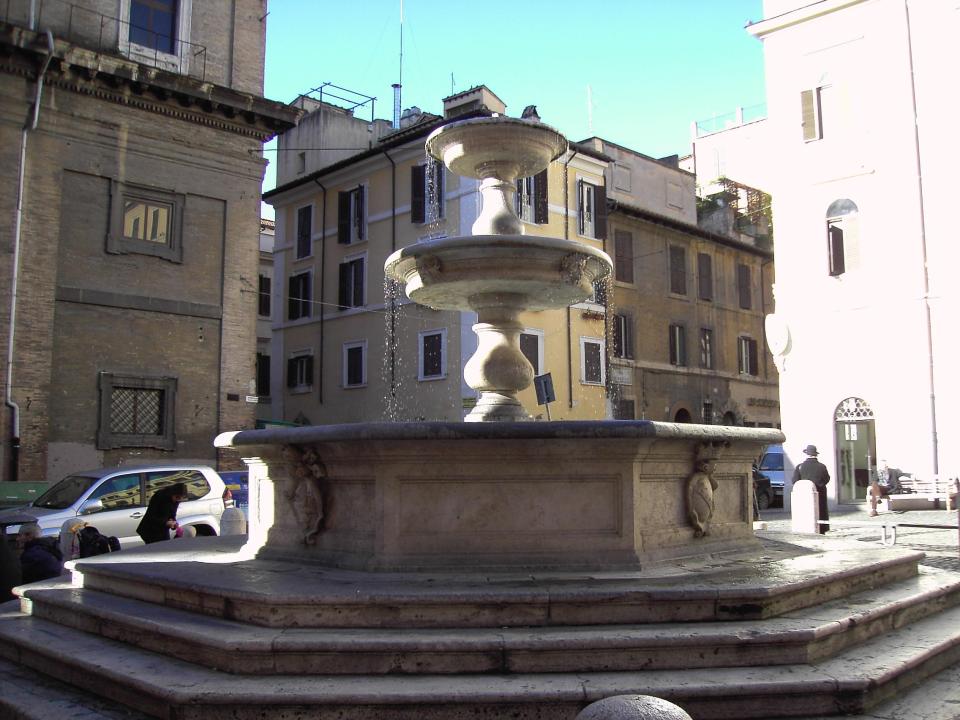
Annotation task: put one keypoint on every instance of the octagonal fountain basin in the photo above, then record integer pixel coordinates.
(443, 496)
(496, 147)
(535, 273)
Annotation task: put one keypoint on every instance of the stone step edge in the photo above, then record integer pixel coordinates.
(92, 661)
(544, 607)
(80, 607)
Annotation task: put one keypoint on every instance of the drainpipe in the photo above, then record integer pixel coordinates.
(29, 126)
(923, 247)
(393, 300)
(566, 236)
(323, 263)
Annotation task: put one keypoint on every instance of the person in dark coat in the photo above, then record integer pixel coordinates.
(161, 515)
(41, 558)
(816, 472)
(9, 566)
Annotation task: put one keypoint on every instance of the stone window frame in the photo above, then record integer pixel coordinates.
(118, 244)
(422, 336)
(585, 377)
(107, 439)
(178, 62)
(360, 345)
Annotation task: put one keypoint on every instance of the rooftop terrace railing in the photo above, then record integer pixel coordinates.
(725, 121)
(108, 35)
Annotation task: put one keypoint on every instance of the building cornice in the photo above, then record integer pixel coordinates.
(617, 206)
(795, 17)
(116, 79)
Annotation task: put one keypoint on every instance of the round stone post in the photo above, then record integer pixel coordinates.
(633, 707)
(804, 509)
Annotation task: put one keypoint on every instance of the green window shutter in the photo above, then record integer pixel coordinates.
(540, 198)
(418, 196)
(600, 212)
(343, 217)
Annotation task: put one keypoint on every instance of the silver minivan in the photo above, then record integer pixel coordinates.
(114, 500)
(771, 465)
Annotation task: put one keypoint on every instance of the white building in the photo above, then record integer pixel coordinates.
(860, 97)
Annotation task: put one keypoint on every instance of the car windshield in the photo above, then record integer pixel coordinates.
(65, 493)
(772, 461)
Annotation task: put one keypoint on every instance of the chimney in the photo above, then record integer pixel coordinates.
(476, 98)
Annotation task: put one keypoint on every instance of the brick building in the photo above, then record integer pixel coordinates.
(132, 132)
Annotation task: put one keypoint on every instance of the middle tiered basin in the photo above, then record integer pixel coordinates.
(466, 272)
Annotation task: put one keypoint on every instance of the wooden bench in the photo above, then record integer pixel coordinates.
(933, 493)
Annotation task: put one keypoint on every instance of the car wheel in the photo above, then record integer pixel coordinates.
(763, 500)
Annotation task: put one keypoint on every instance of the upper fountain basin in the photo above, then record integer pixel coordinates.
(498, 147)
(535, 273)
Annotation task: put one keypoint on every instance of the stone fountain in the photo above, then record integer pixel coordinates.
(498, 491)
(486, 569)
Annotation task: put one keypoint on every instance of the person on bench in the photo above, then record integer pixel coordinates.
(885, 484)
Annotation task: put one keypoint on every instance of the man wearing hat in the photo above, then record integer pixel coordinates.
(816, 472)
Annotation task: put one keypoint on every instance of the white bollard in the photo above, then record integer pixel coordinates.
(804, 509)
(633, 707)
(233, 522)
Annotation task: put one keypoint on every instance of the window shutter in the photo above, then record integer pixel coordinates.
(418, 195)
(851, 242)
(754, 364)
(357, 278)
(628, 337)
(343, 217)
(308, 369)
(743, 285)
(540, 198)
(439, 189)
(682, 337)
(623, 251)
(705, 276)
(809, 115)
(360, 213)
(600, 212)
(343, 296)
(678, 270)
(672, 344)
(835, 249)
(580, 210)
(291, 372)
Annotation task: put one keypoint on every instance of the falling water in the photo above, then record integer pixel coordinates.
(392, 292)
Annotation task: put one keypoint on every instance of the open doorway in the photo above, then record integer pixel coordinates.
(856, 443)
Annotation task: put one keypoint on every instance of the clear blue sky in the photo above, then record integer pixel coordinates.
(651, 66)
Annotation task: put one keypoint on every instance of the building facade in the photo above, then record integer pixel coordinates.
(133, 134)
(348, 353)
(859, 115)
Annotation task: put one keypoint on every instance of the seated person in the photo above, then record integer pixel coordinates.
(40, 558)
(887, 483)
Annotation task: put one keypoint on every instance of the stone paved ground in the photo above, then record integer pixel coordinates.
(939, 697)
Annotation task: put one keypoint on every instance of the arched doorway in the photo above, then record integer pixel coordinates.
(729, 418)
(682, 416)
(856, 443)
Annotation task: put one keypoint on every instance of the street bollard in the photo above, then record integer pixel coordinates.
(632, 707)
(804, 509)
(233, 522)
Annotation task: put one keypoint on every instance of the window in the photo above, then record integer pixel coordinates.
(747, 355)
(704, 276)
(678, 345)
(355, 364)
(352, 277)
(623, 262)
(118, 492)
(624, 410)
(304, 232)
(592, 210)
(299, 305)
(153, 24)
(300, 370)
(842, 237)
(707, 412)
(743, 286)
(678, 270)
(263, 375)
(433, 355)
(531, 345)
(623, 336)
(263, 297)
(706, 348)
(351, 216)
(136, 412)
(194, 481)
(532, 198)
(810, 114)
(599, 292)
(146, 222)
(301, 163)
(426, 192)
(592, 370)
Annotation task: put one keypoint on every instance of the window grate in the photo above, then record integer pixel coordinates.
(136, 411)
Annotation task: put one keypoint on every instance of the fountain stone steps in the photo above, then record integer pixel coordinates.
(800, 636)
(166, 687)
(284, 595)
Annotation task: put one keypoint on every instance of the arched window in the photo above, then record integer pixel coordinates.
(682, 416)
(842, 236)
